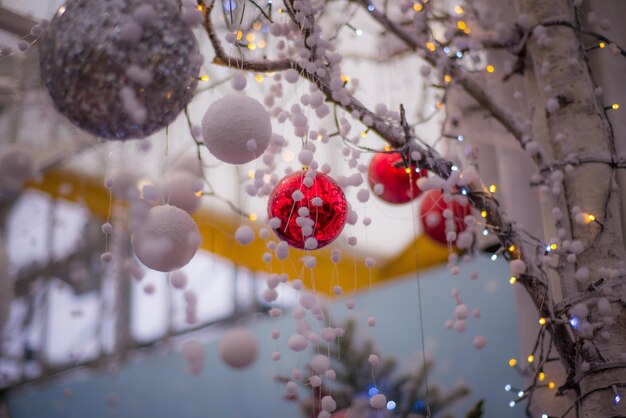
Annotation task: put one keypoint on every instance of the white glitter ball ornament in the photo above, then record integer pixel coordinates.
(115, 73)
(236, 129)
(239, 348)
(167, 240)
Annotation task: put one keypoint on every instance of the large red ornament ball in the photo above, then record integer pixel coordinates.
(311, 208)
(433, 221)
(399, 183)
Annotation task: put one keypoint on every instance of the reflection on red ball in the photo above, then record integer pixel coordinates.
(431, 215)
(321, 196)
(400, 184)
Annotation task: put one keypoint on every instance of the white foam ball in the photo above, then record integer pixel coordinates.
(479, 342)
(244, 235)
(291, 387)
(179, 189)
(517, 267)
(291, 75)
(189, 163)
(297, 342)
(167, 239)
(320, 363)
(315, 381)
(239, 348)
(460, 312)
(328, 403)
(178, 279)
(378, 401)
(238, 82)
(230, 123)
(373, 359)
(193, 352)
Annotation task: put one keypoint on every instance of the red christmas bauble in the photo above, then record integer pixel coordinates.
(433, 221)
(311, 208)
(399, 182)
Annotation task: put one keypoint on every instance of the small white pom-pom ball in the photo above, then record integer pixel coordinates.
(230, 123)
(239, 348)
(244, 235)
(378, 401)
(167, 240)
(297, 342)
(517, 267)
(179, 189)
(479, 342)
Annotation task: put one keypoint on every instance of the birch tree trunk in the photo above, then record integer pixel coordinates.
(579, 128)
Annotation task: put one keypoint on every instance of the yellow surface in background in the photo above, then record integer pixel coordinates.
(218, 229)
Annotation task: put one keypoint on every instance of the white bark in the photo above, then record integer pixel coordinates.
(560, 72)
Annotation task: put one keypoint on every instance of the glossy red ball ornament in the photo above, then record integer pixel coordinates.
(399, 182)
(311, 208)
(433, 221)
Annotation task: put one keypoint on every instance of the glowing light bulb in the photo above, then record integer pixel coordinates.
(490, 68)
(551, 385)
(512, 404)
(513, 279)
(512, 362)
(531, 358)
(542, 321)
(483, 213)
(615, 106)
(253, 216)
(542, 376)
(512, 248)
(430, 46)
(461, 25)
(259, 78)
(204, 77)
(507, 387)
(418, 7)
(492, 188)
(520, 393)
(601, 45)
(494, 257)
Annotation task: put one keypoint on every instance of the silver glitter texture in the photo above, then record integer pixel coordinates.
(84, 65)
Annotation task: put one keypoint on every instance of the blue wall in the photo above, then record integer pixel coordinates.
(159, 386)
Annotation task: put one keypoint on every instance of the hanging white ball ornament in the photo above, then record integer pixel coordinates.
(244, 235)
(517, 267)
(328, 403)
(297, 342)
(236, 129)
(167, 239)
(320, 363)
(239, 348)
(479, 342)
(378, 401)
(180, 189)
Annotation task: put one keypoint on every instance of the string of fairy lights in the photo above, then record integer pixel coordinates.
(514, 241)
(538, 358)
